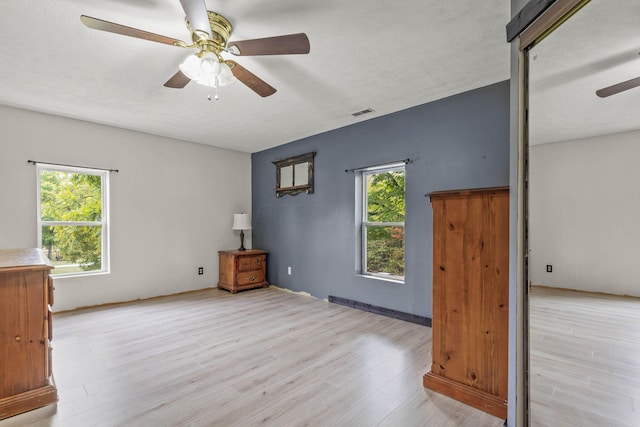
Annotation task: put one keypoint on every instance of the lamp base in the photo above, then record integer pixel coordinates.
(242, 248)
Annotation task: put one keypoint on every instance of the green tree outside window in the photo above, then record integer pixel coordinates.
(71, 219)
(383, 224)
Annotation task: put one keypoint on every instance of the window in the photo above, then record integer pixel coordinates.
(73, 218)
(382, 229)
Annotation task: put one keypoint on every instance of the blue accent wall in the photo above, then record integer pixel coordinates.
(453, 143)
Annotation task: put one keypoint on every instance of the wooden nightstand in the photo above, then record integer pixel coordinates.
(240, 270)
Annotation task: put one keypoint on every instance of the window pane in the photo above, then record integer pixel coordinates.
(385, 197)
(301, 173)
(385, 250)
(286, 176)
(73, 249)
(68, 196)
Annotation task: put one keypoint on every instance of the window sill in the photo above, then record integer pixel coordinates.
(72, 275)
(382, 278)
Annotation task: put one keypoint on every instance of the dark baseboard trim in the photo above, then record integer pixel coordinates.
(407, 317)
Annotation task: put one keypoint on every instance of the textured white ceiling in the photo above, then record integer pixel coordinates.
(598, 47)
(383, 54)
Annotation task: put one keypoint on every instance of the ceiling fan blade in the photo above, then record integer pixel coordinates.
(280, 45)
(196, 11)
(252, 81)
(617, 88)
(111, 27)
(177, 81)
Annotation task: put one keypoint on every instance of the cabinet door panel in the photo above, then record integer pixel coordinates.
(470, 297)
(22, 330)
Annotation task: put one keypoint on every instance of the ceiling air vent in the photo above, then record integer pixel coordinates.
(361, 112)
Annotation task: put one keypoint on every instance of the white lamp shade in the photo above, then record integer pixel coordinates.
(191, 67)
(226, 76)
(209, 65)
(241, 221)
(210, 81)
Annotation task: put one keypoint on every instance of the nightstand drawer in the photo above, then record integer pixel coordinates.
(247, 277)
(247, 263)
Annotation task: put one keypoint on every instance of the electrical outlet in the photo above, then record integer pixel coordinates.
(289, 271)
(200, 270)
(549, 268)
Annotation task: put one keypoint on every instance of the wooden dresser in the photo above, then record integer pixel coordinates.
(471, 297)
(26, 292)
(240, 270)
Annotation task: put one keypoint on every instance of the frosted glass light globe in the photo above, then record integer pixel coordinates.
(210, 65)
(191, 67)
(226, 76)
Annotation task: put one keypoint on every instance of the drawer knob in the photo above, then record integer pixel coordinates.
(252, 278)
(18, 338)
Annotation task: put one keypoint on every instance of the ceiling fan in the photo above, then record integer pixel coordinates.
(210, 34)
(618, 87)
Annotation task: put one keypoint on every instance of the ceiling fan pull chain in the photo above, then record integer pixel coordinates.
(216, 97)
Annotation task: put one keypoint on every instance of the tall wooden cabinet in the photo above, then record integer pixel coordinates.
(26, 291)
(240, 270)
(471, 297)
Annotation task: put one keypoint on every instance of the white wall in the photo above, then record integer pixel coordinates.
(171, 203)
(585, 214)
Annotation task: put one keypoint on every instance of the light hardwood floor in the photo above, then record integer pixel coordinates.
(585, 359)
(261, 357)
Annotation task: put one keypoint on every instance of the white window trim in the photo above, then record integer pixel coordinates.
(104, 223)
(363, 223)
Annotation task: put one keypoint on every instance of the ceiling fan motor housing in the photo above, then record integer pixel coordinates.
(221, 30)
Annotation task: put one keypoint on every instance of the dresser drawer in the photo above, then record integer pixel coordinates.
(247, 277)
(247, 263)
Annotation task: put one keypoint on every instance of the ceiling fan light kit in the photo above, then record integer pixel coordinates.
(207, 69)
(210, 34)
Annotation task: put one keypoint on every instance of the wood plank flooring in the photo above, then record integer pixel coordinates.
(262, 357)
(585, 359)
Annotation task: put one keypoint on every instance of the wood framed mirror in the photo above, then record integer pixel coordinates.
(294, 175)
(566, 58)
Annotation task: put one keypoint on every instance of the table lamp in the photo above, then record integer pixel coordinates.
(241, 222)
